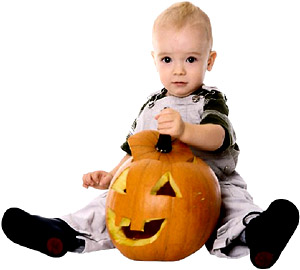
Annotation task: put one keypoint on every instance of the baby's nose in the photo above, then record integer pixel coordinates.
(179, 69)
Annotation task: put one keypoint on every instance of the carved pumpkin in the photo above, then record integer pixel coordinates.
(161, 210)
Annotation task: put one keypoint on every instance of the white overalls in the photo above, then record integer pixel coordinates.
(206, 106)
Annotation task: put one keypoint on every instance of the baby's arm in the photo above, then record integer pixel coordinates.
(206, 137)
(101, 179)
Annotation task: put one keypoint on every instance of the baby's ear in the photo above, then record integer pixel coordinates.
(211, 60)
(153, 56)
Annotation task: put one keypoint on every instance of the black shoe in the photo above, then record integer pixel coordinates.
(268, 233)
(52, 237)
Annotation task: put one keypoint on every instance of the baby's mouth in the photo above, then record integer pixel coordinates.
(180, 83)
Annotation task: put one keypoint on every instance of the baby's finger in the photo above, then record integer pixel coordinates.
(85, 185)
(164, 111)
(87, 179)
(95, 177)
(165, 119)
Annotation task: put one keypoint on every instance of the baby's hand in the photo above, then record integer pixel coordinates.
(97, 179)
(170, 122)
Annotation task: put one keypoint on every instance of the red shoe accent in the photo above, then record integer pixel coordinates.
(264, 260)
(55, 246)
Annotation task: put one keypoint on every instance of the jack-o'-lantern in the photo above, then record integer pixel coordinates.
(162, 210)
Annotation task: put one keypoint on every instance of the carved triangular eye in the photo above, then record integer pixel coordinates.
(166, 186)
(120, 184)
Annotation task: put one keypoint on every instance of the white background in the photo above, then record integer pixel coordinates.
(68, 73)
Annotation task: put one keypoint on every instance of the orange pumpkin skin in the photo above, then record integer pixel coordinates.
(148, 222)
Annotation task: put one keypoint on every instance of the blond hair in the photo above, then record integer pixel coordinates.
(181, 14)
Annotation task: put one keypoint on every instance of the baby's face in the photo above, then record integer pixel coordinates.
(182, 58)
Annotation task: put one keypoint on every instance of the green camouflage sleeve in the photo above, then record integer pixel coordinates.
(215, 111)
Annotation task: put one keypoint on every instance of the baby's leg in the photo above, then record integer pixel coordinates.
(80, 232)
(245, 228)
(52, 237)
(268, 234)
(236, 204)
(90, 223)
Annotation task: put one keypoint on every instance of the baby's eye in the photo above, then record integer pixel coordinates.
(191, 59)
(166, 59)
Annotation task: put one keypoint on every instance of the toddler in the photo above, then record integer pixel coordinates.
(197, 115)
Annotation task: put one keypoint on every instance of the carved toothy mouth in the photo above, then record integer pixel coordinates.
(123, 235)
(150, 229)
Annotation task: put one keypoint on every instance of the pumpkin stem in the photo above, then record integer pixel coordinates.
(164, 143)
